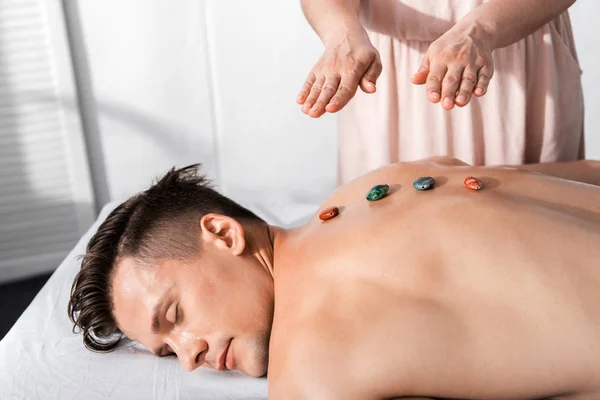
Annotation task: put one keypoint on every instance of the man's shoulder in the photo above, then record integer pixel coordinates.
(312, 363)
(328, 353)
(319, 357)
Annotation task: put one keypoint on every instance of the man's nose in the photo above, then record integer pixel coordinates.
(190, 351)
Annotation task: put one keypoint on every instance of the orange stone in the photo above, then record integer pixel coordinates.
(473, 183)
(329, 213)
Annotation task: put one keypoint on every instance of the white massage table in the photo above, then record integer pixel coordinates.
(40, 358)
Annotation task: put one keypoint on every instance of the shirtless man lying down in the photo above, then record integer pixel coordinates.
(445, 293)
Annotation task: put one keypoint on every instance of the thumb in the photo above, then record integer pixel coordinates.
(421, 76)
(369, 79)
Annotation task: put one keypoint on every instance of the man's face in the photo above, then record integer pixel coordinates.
(215, 309)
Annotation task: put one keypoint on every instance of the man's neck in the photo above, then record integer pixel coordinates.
(262, 246)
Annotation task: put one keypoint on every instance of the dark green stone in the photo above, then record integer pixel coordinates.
(377, 192)
(424, 183)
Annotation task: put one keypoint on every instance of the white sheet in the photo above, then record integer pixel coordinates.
(40, 358)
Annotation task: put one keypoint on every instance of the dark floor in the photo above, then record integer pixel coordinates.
(14, 299)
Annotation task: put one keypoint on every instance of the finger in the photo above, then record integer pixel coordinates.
(346, 90)
(308, 83)
(312, 97)
(467, 84)
(369, 80)
(483, 80)
(433, 85)
(327, 92)
(450, 86)
(421, 76)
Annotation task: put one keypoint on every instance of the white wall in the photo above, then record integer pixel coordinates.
(171, 83)
(204, 81)
(261, 52)
(146, 89)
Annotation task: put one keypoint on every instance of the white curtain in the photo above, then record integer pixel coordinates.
(45, 191)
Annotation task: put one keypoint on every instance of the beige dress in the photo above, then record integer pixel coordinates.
(532, 112)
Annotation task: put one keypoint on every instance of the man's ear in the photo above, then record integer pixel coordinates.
(225, 232)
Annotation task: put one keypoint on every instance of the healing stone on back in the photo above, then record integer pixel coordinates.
(329, 213)
(473, 183)
(424, 183)
(377, 192)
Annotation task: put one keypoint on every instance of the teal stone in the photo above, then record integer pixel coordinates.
(424, 183)
(377, 192)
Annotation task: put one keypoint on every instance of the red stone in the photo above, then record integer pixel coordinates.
(329, 213)
(473, 183)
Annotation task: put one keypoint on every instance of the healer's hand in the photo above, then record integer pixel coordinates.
(456, 66)
(349, 60)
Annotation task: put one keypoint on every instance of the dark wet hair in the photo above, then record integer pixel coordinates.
(157, 224)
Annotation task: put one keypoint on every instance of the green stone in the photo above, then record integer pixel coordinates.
(377, 192)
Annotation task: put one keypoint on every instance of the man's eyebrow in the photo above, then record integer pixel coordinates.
(155, 327)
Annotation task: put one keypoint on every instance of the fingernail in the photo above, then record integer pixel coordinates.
(447, 101)
(461, 98)
(435, 95)
(479, 91)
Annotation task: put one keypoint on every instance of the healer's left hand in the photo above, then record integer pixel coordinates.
(457, 66)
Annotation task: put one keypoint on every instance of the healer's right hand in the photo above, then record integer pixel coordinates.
(349, 61)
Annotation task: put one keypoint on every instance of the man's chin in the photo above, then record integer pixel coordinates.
(259, 374)
(256, 370)
(253, 360)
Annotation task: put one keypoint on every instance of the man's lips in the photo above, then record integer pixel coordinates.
(229, 360)
(222, 360)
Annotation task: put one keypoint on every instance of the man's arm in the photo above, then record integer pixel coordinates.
(585, 171)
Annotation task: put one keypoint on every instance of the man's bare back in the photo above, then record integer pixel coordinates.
(448, 293)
